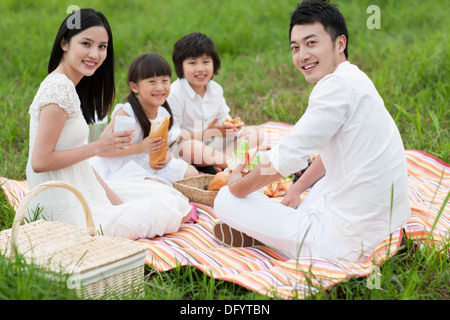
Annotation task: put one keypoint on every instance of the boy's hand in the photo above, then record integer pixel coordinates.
(221, 130)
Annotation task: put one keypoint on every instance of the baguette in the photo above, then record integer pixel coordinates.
(159, 128)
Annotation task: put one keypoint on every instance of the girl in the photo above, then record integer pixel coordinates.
(80, 85)
(149, 80)
(199, 107)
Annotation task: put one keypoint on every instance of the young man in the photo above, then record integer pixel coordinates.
(358, 181)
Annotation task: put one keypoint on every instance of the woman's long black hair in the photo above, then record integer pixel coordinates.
(145, 66)
(96, 92)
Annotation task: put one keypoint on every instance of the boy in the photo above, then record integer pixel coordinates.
(358, 181)
(198, 105)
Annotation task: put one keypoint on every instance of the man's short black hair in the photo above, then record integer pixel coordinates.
(311, 11)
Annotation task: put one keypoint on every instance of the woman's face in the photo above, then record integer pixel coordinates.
(85, 52)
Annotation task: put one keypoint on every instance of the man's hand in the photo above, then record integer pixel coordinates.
(234, 178)
(263, 174)
(292, 198)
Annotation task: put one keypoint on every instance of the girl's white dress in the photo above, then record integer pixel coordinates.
(150, 209)
(137, 165)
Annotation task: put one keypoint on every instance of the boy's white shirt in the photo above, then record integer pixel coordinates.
(347, 123)
(191, 111)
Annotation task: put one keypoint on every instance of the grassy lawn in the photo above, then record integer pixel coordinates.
(407, 59)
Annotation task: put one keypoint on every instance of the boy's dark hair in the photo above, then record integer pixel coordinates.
(194, 45)
(311, 11)
(96, 92)
(146, 66)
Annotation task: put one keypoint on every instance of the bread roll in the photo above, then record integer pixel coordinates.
(237, 122)
(159, 128)
(219, 180)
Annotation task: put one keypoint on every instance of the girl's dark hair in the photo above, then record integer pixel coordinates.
(194, 45)
(96, 92)
(311, 11)
(145, 66)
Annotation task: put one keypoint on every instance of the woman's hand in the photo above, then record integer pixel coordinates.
(46, 157)
(111, 143)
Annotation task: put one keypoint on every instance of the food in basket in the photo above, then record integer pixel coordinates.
(220, 179)
(243, 155)
(236, 122)
(196, 189)
(159, 128)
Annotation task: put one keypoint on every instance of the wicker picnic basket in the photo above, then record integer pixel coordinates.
(194, 189)
(96, 266)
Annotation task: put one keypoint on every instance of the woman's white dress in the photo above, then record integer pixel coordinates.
(150, 209)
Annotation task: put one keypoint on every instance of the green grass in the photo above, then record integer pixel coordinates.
(407, 59)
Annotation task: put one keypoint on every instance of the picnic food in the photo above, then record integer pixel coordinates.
(159, 128)
(243, 155)
(278, 188)
(219, 180)
(236, 122)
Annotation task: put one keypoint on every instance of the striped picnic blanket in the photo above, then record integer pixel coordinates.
(269, 272)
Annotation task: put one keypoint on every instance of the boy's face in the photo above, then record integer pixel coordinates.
(314, 53)
(198, 71)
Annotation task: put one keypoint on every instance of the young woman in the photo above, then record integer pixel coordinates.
(80, 85)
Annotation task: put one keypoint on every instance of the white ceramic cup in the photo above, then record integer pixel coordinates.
(122, 123)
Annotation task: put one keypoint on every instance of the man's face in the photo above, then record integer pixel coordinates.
(313, 52)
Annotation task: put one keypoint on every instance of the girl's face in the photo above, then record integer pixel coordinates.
(85, 52)
(198, 72)
(152, 92)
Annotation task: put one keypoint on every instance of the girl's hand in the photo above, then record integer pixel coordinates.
(164, 163)
(152, 145)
